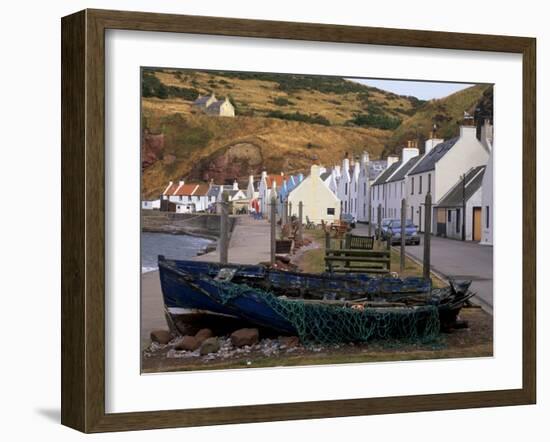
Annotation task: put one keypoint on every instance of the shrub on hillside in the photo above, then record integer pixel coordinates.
(297, 116)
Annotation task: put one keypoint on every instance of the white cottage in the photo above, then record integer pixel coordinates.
(487, 214)
(267, 189)
(439, 170)
(319, 202)
(378, 189)
(343, 190)
(462, 206)
(363, 186)
(150, 204)
(212, 106)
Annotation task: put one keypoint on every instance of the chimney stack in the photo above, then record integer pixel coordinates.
(409, 152)
(235, 185)
(391, 159)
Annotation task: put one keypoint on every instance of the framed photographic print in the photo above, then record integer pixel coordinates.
(267, 221)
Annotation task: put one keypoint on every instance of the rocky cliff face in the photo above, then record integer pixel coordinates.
(152, 146)
(236, 161)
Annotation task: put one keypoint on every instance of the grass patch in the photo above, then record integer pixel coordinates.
(312, 261)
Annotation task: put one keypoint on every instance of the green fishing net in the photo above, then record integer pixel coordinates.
(321, 323)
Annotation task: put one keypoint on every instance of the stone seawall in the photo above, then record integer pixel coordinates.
(197, 224)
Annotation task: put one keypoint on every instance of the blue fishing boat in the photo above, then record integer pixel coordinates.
(316, 307)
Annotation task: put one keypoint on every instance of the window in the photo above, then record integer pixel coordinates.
(402, 184)
(378, 196)
(364, 188)
(330, 210)
(346, 206)
(346, 189)
(412, 212)
(487, 217)
(457, 227)
(429, 182)
(448, 216)
(412, 186)
(420, 185)
(181, 198)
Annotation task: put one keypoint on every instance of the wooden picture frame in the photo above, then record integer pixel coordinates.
(83, 220)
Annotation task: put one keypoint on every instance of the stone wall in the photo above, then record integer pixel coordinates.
(205, 225)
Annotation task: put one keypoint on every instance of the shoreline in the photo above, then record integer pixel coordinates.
(181, 231)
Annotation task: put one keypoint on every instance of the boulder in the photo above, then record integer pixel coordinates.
(203, 334)
(210, 345)
(188, 343)
(245, 336)
(160, 336)
(289, 341)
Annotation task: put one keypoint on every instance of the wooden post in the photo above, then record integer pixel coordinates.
(403, 222)
(427, 235)
(370, 219)
(273, 221)
(463, 207)
(224, 229)
(379, 221)
(300, 220)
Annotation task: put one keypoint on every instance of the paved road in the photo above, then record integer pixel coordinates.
(249, 243)
(458, 259)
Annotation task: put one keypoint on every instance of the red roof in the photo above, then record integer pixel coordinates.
(185, 190)
(171, 189)
(277, 178)
(201, 190)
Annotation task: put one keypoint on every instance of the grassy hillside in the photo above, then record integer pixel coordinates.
(283, 123)
(446, 113)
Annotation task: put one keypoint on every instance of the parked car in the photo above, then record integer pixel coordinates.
(383, 227)
(411, 232)
(349, 219)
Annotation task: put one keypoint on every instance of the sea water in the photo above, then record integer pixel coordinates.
(171, 246)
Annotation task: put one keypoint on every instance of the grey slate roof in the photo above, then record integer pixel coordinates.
(433, 156)
(400, 174)
(214, 108)
(387, 173)
(214, 190)
(201, 101)
(453, 198)
(375, 168)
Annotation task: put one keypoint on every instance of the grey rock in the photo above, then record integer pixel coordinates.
(160, 336)
(245, 336)
(210, 345)
(188, 343)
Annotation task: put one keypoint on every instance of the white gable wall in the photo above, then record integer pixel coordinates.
(317, 199)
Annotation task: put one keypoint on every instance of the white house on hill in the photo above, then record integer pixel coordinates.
(212, 106)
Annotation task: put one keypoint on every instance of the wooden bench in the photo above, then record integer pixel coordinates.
(283, 246)
(359, 242)
(357, 261)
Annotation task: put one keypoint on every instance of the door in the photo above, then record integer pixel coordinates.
(441, 222)
(476, 232)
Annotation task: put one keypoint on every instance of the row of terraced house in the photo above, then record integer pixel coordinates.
(456, 172)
